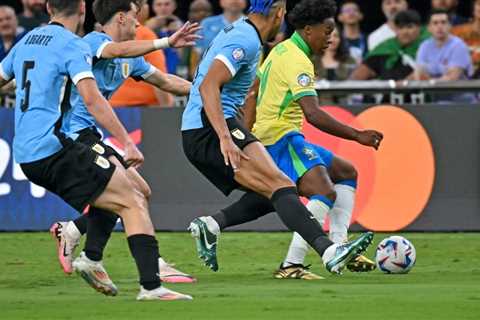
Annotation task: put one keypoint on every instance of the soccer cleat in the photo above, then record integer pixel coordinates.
(171, 275)
(206, 242)
(336, 257)
(161, 293)
(66, 245)
(361, 264)
(296, 271)
(95, 275)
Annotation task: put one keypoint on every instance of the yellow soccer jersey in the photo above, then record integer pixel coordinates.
(286, 76)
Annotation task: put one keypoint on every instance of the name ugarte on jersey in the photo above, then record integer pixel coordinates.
(38, 39)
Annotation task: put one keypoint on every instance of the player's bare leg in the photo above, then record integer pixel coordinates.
(260, 174)
(121, 197)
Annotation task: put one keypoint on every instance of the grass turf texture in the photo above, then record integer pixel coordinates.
(444, 284)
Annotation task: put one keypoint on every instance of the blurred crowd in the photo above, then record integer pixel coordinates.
(445, 46)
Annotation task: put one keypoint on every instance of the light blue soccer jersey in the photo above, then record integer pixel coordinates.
(110, 74)
(44, 63)
(238, 46)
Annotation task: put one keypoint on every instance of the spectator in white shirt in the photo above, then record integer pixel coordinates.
(386, 31)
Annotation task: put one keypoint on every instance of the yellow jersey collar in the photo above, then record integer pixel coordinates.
(297, 39)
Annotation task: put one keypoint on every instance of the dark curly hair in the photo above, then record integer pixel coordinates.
(311, 12)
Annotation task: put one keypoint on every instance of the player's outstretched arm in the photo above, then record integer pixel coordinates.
(210, 89)
(101, 110)
(169, 83)
(325, 122)
(250, 108)
(184, 37)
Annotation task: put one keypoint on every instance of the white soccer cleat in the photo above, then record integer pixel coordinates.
(95, 275)
(169, 274)
(161, 293)
(67, 239)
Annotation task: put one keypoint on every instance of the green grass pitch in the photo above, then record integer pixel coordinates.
(444, 284)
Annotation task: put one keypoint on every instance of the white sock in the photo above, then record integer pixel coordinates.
(212, 225)
(341, 213)
(72, 231)
(298, 247)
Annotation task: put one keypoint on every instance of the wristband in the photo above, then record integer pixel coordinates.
(161, 43)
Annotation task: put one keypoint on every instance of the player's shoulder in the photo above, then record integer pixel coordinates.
(96, 36)
(212, 20)
(243, 33)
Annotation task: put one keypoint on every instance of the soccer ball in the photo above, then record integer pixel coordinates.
(395, 254)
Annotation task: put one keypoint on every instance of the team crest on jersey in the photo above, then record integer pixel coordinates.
(125, 70)
(304, 80)
(237, 133)
(98, 149)
(102, 162)
(238, 54)
(310, 153)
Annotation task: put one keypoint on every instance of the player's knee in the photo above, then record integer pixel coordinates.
(146, 191)
(280, 180)
(348, 172)
(324, 189)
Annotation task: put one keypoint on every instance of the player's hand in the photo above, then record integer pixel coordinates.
(133, 156)
(232, 154)
(370, 138)
(185, 36)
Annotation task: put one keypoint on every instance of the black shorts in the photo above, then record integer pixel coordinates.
(91, 138)
(76, 173)
(202, 148)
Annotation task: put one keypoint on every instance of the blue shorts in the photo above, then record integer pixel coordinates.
(295, 156)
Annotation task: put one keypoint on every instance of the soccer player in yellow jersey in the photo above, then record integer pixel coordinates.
(285, 95)
(219, 146)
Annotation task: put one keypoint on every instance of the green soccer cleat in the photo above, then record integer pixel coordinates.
(336, 257)
(206, 242)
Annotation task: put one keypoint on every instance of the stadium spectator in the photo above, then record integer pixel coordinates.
(444, 57)
(387, 30)
(232, 11)
(336, 64)
(198, 11)
(10, 33)
(394, 59)
(165, 23)
(34, 14)
(139, 93)
(451, 7)
(350, 17)
(470, 33)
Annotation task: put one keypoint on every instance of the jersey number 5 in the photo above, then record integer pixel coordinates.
(27, 65)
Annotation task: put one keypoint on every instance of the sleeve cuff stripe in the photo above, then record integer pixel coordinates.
(101, 48)
(227, 63)
(300, 95)
(150, 71)
(81, 76)
(3, 74)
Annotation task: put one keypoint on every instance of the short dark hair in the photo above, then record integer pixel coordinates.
(438, 11)
(406, 18)
(311, 12)
(64, 7)
(104, 10)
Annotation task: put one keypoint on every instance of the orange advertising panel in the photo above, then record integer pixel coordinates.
(395, 182)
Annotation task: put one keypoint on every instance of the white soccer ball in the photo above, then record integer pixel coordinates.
(395, 254)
